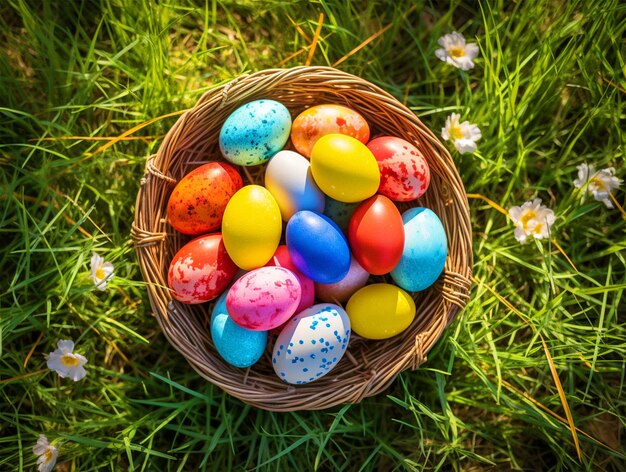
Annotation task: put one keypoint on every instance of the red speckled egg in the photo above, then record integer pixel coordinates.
(197, 203)
(404, 173)
(201, 270)
(320, 120)
(376, 235)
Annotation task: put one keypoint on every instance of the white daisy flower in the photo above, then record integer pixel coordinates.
(65, 363)
(101, 272)
(463, 135)
(47, 454)
(600, 184)
(455, 52)
(532, 219)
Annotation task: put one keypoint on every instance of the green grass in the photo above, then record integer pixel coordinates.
(548, 93)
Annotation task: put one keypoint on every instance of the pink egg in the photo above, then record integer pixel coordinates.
(264, 298)
(341, 291)
(404, 173)
(281, 258)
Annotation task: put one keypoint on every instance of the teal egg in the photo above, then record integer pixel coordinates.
(238, 346)
(255, 132)
(425, 250)
(340, 212)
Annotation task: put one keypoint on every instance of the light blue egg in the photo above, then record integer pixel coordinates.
(238, 346)
(255, 132)
(425, 250)
(340, 212)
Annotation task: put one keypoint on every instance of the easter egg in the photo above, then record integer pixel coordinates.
(311, 344)
(197, 203)
(317, 247)
(255, 132)
(380, 311)
(344, 168)
(251, 226)
(238, 346)
(376, 235)
(425, 250)
(341, 291)
(200, 270)
(320, 120)
(264, 298)
(404, 173)
(340, 212)
(281, 258)
(288, 178)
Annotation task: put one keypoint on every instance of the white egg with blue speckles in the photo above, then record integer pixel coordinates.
(311, 343)
(255, 132)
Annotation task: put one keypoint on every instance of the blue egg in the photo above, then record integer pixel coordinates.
(425, 250)
(255, 132)
(238, 346)
(317, 247)
(340, 212)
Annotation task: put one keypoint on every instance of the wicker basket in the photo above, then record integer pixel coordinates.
(368, 367)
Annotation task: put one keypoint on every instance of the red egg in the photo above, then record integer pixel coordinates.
(197, 203)
(376, 235)
(281, 258)
(201, 270)
(404, 173)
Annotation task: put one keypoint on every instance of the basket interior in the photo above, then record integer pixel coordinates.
(368, 366)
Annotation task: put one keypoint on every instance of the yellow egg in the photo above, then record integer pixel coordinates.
(380, 311)
(344, 168)
(251, 227)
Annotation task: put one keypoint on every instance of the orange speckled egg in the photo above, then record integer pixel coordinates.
(320, 120)
(196, 205)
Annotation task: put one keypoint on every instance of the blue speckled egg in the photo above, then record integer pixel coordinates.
(238, 346)
(255, 132)
(317, 247)
(311, 343)
(340, 212)
(425, 250)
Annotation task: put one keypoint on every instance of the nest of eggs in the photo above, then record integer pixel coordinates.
(368, 367)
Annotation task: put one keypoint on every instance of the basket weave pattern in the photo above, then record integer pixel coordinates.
(368, 367)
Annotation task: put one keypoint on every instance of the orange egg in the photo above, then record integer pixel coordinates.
(320, 120)
(196, 205)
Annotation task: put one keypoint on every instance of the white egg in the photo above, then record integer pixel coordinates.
(311, 343)
(288, 178)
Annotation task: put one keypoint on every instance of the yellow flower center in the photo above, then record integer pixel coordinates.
(457, 51)
(537, 229)
(456, 132)
(48, 456)
(526, 217)
(599, 183)
(100, 273)
(69, 360)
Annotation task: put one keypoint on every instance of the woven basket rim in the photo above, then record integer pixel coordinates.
(368, 367)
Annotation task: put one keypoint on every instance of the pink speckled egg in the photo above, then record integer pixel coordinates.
(201, 270)
(281, 258)
(264, 298)
(404, 173)
(341, 291)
